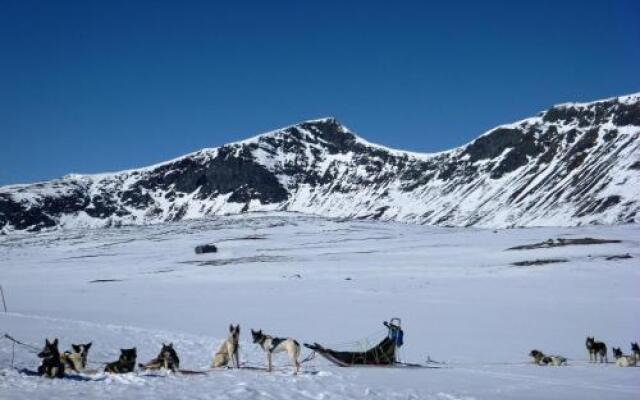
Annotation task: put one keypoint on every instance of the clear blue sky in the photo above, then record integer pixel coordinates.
(100, 86)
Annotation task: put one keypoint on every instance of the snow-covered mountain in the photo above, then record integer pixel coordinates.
(570, 165)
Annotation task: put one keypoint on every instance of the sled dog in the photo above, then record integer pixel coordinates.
(227, 354)
(272, 345)
(541, 359)
(76, 359)
(52, 366)
(166, 359)
(126, 362)
(596, 349)
(623, 360)
(635, 349)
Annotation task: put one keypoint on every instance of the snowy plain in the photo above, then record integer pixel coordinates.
(461, 301)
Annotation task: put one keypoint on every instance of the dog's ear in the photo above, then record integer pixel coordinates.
(238, 328)
(46, 342)
(76, 348)
(231, 328)
(171, 345)
(55, 342)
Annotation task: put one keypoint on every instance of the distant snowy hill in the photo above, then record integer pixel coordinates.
(570, 165)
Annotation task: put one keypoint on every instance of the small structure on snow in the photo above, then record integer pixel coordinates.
(206, 248)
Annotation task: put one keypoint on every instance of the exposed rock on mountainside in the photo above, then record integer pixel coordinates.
(573, 164)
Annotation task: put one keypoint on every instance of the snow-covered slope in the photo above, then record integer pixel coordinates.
(460, 298)
(573, 164)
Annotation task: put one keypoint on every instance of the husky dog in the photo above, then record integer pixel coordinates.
(126, 362)
(537, 356)
(596, 349)
(276, 345)
(52, 366)
(622, 360)
(76, 360)
(636, 351)
(167, 359)
(541, 359)
(556, 360)
(228, 352)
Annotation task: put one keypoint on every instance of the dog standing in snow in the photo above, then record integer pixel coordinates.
(272, 345)
(596, 349)
(227, 355)
(623, 360)
(635, 349)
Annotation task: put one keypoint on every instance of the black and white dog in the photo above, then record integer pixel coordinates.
(623, 360)
(596, 349)
(541, 359)
(276, 345)
(76, 360)
(52, 365)
(126, 362)
(166, 359)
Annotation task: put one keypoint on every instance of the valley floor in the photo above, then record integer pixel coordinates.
(461, 301)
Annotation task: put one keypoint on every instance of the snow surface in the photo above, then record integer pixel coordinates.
(460, 300)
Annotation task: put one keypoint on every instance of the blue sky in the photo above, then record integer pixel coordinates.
(101, 86)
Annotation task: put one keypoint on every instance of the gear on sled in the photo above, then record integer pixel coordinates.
(382, 354)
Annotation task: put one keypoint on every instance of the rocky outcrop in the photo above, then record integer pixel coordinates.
(573, 164)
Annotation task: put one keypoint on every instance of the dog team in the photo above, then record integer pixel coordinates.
(54, 363)
(597, 350)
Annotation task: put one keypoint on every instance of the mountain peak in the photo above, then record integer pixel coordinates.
(573, 164)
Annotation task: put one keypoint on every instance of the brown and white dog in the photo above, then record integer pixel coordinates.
(623, 360)
(276, 345)
(596, 349)
(227, 355)
(76, 360)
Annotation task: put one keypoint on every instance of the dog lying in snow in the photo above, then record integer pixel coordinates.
(272, 345)
(596, 349)
(541, 359)
(76, 360)
(126, 362)
(623, 360)
(166, 359)
(227, 355)
(52, 365)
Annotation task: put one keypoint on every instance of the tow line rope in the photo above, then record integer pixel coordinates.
(35, 350)
(31, 348)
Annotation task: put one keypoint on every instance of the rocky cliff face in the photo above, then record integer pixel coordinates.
(573, 164)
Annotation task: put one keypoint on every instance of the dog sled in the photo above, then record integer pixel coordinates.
(385, 353)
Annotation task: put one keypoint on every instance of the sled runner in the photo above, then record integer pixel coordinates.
(382, 354)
